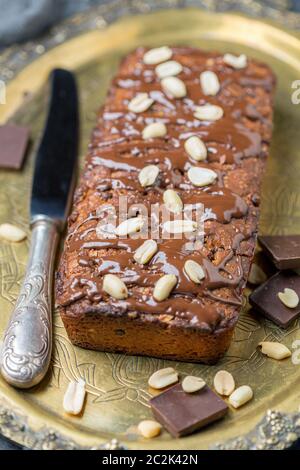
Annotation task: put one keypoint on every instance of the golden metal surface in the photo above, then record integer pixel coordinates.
(117, 384)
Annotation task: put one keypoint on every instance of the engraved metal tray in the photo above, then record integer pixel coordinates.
(117, 384)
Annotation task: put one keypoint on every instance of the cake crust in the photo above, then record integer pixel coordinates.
(196, 322)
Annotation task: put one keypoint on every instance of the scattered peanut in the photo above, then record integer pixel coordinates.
(115, 287)
(209, 83)
(153, 130)
(275, 350)
(180, 226)
(168, 69)
(74, 397)
(145, 252)
(196, 148)
(140, 103)
(201, 176)
(289, 298)
(163, 378)
(129, 226)
(174, 86)
(237, 62)
(148, 175)
(191, 384)
(194, 271)
(208, 112)
(241, 396)
(224, 383)
(164, 287)
(172, 201)
(11, 233)
(157, 55)
(149, 428)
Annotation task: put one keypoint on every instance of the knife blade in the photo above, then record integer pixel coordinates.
(53, 175)
(27, 344)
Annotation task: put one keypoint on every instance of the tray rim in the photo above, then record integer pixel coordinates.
(27, 431)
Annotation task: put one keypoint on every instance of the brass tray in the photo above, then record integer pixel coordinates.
(117, 384)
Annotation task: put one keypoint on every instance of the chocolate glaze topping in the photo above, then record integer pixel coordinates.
(117, 153)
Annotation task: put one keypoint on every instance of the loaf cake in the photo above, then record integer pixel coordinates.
(179, 128)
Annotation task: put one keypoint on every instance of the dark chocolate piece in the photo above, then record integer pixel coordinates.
(284, 250)
(265, 298)
(183, 413)
(13, 145)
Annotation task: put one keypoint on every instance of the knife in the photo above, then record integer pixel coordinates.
(27, 344)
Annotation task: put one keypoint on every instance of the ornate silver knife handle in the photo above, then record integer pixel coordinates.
(27, 344)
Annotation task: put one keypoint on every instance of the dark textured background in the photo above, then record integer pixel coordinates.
(24, 19)
(21, 20)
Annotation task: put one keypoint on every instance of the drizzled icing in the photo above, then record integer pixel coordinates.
(117, 153)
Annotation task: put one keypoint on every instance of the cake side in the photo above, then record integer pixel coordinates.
(196, 321)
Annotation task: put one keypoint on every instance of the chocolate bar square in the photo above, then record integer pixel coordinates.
(284, 250)
(13, 145)
(265, 298)
(183, 413)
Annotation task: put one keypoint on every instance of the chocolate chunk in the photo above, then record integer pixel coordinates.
(265, 298)
(284, 250)
(183, 413)
(13, 145)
